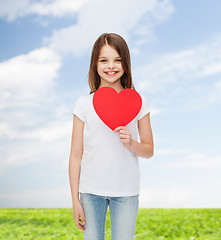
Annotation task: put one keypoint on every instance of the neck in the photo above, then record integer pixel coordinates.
(117, 87)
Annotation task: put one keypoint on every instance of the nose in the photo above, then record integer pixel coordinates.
(111, 64)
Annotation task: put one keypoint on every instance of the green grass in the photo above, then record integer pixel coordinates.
(179, 224)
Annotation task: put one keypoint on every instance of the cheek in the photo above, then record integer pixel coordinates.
(99, 69)
(122, 71)
(121, 67)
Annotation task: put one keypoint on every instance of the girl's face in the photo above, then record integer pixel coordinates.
(109, 65)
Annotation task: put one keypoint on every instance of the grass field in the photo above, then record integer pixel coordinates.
(179, 224)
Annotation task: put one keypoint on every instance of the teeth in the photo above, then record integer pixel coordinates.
(111, 72)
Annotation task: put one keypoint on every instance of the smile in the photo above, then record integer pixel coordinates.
(111, 73)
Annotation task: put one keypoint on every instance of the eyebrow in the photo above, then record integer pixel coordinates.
(106, 57)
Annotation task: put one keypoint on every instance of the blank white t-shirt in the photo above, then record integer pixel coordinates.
(108, 168)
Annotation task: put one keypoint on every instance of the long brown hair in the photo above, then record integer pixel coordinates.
(120, 45)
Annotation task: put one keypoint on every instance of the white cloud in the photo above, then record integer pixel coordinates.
(186, 159)
(198, 160)
(214, 94)
(13, 9)
(57, 8)
(53, 131)
(26, 82)
(170, 151)
(201, 196)
(26, 78)
(188, 79)
(153, 197)
(174, 197)
(188, 66)
(48, 198)
(42, 144)
(97, 17)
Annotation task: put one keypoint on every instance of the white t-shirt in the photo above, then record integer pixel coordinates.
(108, 168)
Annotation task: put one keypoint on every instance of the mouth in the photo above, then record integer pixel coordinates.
(111, 73)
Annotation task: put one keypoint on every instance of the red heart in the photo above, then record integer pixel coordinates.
(116, 109)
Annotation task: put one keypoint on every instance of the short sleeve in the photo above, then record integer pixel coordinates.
(79, 107)
(144, 109)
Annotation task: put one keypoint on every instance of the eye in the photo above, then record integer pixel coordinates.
(118, 60)
(103, 60)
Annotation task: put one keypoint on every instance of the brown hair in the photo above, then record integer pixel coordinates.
(120, 45)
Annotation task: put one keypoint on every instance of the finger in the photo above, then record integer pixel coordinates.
(123, 131)
(81, 223)
(78, 221)
(82, 219)
(80, 226)
(123, 136)
(118, 128)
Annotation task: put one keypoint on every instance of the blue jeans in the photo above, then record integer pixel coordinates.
(123, 212)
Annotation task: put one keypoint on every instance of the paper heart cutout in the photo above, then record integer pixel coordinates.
(116, 109)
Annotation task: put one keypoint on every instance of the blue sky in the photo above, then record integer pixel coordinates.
(45, 49)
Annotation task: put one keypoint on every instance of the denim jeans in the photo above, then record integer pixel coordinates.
(123, 212)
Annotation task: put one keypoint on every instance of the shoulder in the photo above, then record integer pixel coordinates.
(145, 108)
(81, 106)
(144, 99)
(82, 103)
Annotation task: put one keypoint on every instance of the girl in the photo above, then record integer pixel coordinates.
(103, 164)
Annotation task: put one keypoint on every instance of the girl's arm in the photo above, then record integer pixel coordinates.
(146, 146)
(75, 157)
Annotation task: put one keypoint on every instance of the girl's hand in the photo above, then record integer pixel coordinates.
(78, 215)
(125, 135)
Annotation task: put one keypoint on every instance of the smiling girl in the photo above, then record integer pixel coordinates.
(103, 164)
